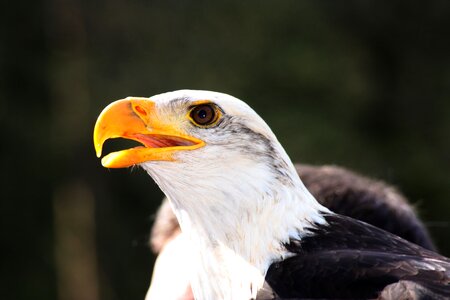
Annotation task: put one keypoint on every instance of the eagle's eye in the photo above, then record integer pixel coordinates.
(204, 114)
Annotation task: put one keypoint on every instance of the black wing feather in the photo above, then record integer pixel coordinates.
(351, 259)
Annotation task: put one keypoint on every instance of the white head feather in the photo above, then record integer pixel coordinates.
(237, 199)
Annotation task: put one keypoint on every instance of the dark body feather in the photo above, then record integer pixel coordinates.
(372, 201)
(350, 259)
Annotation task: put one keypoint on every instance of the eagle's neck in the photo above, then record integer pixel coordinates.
(237, 225)
(233, 254)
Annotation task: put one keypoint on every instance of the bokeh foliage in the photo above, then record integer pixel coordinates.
(361, 84)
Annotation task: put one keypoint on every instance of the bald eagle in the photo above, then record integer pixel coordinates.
(340, 190)
(255, 231)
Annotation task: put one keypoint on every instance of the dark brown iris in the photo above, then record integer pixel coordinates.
(204, 114)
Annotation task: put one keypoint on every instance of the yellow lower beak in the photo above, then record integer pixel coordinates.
(135, 119)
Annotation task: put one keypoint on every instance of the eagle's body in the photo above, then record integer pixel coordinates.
(246, 213)
(340, 190)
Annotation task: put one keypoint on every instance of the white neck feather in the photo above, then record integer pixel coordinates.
(236, 223)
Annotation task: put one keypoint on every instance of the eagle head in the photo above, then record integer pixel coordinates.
(233, 188)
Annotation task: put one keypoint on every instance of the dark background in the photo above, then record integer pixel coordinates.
(361, 84)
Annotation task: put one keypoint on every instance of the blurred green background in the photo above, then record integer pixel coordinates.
(361, 84)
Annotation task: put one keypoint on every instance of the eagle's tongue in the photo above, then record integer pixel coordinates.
(161, 141)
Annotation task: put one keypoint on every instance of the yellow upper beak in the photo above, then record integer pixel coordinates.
(135, 119)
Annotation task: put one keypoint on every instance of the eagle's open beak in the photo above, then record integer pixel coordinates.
(135, 119)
